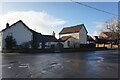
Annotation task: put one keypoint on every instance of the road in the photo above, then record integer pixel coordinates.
(93, 64)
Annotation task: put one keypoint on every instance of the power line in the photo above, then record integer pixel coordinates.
(94, 8)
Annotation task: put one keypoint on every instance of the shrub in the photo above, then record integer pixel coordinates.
(10, 42)
(87, 45)
(26, 45)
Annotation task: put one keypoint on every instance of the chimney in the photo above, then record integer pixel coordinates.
(7, 25)
(53, 33)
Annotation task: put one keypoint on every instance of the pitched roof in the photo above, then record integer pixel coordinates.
(64, 38)
(72, 29)
(44, 38)
(49, 38)
(89, 38)
(20, 21)
(38, 36)
(108, 34)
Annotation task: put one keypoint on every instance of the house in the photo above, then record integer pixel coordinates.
(23, 34)
(45, 41)
(68, 41)
(110, 37)
(73, 36)
(90, 40)
(106, 34)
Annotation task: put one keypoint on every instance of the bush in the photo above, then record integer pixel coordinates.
(10, 42)
(87, 45)
(26, 45)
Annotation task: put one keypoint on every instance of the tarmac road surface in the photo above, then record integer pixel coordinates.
(93, 64)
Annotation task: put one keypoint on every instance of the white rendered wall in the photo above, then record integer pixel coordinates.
(19, 32)
(83, 36)
(72, 41)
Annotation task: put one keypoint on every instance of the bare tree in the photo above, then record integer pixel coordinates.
(113, 26)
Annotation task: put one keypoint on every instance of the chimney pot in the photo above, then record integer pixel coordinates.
(7, 25)
(53, 33)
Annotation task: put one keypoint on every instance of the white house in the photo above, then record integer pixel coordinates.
(73, 36)
(22, 34)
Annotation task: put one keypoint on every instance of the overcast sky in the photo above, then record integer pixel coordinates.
(46, 17)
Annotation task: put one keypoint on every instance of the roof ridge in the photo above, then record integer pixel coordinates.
(16, 22)
(72, 29)
(74, 26)
(23, 24)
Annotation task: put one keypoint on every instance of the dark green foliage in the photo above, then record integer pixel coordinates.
(25, 45)
(34, 44)
(10, 42)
